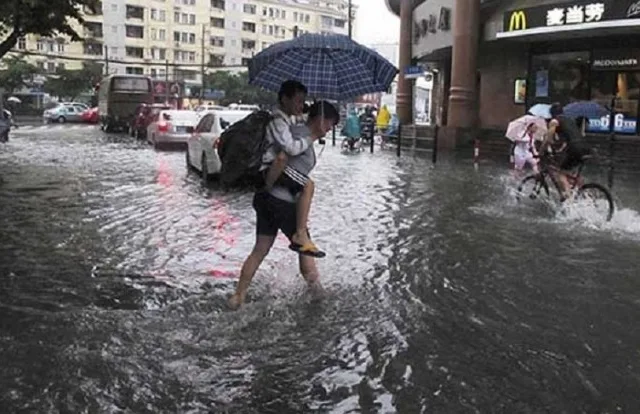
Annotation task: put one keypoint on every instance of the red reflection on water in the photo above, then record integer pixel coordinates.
(219, 220)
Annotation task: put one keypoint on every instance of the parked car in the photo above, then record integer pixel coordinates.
(65, 112)
(143, 117)
(202, 146)
(203, 109)
(91, 115)
(171, 127)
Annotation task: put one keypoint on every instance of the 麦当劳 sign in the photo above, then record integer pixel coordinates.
(575, 15)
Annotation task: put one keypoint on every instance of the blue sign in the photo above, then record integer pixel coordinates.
(213, 94)
(621, 123)
(413, 72)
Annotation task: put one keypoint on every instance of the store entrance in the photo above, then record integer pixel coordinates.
(623, 88)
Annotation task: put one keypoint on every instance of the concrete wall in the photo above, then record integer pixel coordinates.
(499, 66)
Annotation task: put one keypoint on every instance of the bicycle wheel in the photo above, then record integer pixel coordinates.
(531, 187)
(598, 197)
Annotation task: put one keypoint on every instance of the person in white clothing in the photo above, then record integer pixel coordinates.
(525, 150)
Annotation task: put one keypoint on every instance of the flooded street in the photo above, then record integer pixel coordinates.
(446, 296)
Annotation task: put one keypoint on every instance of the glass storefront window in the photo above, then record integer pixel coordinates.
(625, 88)
(559, 77)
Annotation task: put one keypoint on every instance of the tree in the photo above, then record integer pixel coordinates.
(17, 73)
(44, 17)
(237, 88)
(71, 83)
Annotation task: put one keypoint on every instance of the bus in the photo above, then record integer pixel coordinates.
(118, 98)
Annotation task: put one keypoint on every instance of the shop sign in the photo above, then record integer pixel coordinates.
(615, 59)
(573, 13)
(622, 124)
(432, 24)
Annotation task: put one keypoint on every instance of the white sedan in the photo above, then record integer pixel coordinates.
(171, 127)
(202, 146)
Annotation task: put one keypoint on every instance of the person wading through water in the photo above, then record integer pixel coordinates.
(276, 206)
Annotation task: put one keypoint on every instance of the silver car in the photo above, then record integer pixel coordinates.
(65, 112)
(170, 127)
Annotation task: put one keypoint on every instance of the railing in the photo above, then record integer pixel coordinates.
(417, 140)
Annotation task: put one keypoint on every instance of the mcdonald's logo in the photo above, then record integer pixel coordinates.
(518, 21)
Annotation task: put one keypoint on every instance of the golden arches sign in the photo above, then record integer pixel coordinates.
(518, 21)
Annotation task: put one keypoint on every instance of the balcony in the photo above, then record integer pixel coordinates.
(134, 52)
(134, 32)
(93, 30)
(93, 48)
(135, 12)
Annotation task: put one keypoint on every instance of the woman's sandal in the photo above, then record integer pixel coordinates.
(308, 249)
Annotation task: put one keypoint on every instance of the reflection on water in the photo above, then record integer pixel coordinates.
(446, 295)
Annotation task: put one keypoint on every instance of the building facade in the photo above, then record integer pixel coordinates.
(175, 38)
(495, 59)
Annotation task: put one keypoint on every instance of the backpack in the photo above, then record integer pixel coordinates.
(241, 148)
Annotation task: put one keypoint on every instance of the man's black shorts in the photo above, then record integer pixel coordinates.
(573, 156)
(274, 214)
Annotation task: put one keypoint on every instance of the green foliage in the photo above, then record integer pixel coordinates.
(44, 17)
(17, 73)
(70, 84)
(237, 89)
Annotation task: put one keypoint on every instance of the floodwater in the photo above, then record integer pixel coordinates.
(445, 295)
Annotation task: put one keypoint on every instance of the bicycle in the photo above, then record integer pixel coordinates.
(579, 189)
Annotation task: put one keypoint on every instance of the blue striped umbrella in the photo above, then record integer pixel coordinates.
(587, 109)
(330, 66)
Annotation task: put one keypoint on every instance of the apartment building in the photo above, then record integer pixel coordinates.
(174, 38)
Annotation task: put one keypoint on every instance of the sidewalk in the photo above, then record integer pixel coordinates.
(28, 120)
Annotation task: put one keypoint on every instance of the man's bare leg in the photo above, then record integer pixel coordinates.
(303, 209)
(311, 275)
(276, 169)
(249, 268)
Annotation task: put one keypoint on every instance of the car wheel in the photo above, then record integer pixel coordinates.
(187, 159)
(204, 170)
(62, 119)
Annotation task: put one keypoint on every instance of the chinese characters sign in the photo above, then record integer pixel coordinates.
(573, 13)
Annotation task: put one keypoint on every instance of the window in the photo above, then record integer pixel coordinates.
(307, 18)
(192, 19)
(184, 37)
(176, 36)
(136, 52)
(215, 59)
(113, 51)
(134, 70)
(218, 4)
(264, 11)
(284, 14)
(295, 16)
(217, 22)
(154, 14)
(249, 8)
(248, 45)
(60, 47)
(51, 67)
(92, 49)
(559, 77)
(153, 33)
(162, 15)
(158, 53)
(249, 27)
(162, 34)
(136, 32)
(205, 124)
(217, 41)
(22, 43)
(185, 18)
(339, 23)
(135, 12)
(245, 61)
(176, 17)
(326, 21)
(192, 38)
(264, 29)
(271, 12)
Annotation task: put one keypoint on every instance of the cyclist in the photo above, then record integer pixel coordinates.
(567, 142)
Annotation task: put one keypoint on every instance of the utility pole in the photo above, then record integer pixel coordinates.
(350, 20)
(166, 81)
(106, 61)
(202, 64)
